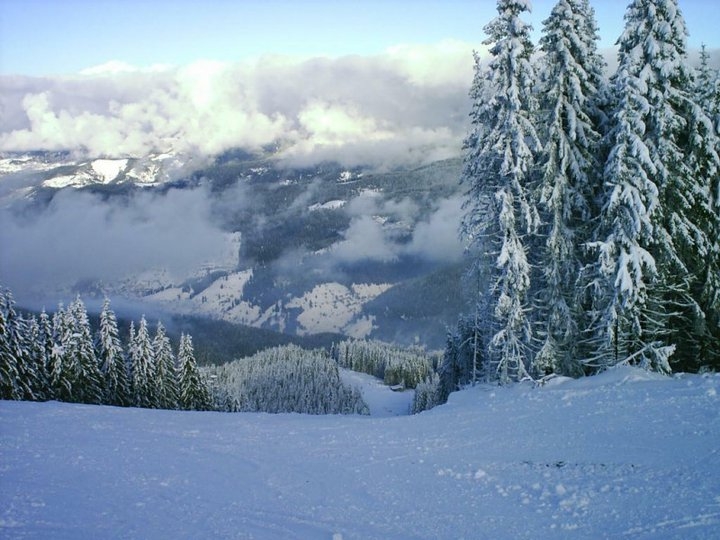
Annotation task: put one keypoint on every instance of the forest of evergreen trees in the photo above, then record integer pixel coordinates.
(394, 365)
(592, 204)
(61, 358)
(284, 379)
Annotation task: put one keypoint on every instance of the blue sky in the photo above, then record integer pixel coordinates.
(46, 37)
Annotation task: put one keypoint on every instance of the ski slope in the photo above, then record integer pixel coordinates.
(622, 455)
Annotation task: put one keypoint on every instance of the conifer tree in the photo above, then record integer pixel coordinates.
(48, 343)
(570, 175)
(500, 210)
(707, 95)
(142, 364)
(112, 359)
(193, 392)
(80, 351)
(12, 355)
(702, 141)
(36, 373)
(61, 370)
(626, 270)
(165, 370)
(648, 233)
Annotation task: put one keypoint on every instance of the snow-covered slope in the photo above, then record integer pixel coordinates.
(61, 170)
(621, 455)
(328, 307)
(332, 307)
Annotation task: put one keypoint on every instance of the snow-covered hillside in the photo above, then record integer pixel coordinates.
(61, 170)
(625, 454)
(328, 307)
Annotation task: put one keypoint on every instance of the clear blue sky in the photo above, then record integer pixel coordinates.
(44, 37)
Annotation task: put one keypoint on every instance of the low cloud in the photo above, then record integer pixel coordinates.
(437, 239)
(372, 203)
(82, 237)
(434, 239)
(404, 106)
(365, 240)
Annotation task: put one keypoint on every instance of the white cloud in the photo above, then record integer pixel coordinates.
(447, 63)
(364, 240)
(407, 105)
(437, 239)
(82, 236)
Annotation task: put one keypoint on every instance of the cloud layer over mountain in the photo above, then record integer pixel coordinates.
(407, 105)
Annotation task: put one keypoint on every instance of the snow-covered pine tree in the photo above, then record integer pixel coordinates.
(61, 370)
(499, 209)
(34, 345)
(459, 358)
(193, 392)
(674, 127)
(707, 95)
(626, 269)
(165, 371)
(703, 147)
(48, 343)
(595, 67)
(13, 384)
(647, 234)
(112, 359)
(88, 382)
(571, 79)
(142, 366)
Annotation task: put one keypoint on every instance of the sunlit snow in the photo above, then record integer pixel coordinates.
(109, 169)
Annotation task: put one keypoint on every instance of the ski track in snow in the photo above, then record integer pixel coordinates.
(621, 455)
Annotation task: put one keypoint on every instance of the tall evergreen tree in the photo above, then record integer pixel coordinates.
(142, 364)
(36, 377)
(193, 392)
(500, 211)
(61, 370)
(626, 269)
(48, 343)
(571, 69)
(703, 150)
(112, 359)
(707, 95)
(648, 233)
(80, 349)
(13, 384)
(165, 370)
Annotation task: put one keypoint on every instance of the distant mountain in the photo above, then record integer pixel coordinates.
(23, 173)
(310, 250)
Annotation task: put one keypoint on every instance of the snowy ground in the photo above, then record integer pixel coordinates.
(381, 401)
(622, 455)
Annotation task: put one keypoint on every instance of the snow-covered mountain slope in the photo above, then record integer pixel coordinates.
(59, 170)
(245, 239)
(332, 307)
(621, 455)
(328, 307)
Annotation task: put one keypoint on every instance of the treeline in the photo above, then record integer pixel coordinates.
(60, 357)
(283, 380)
